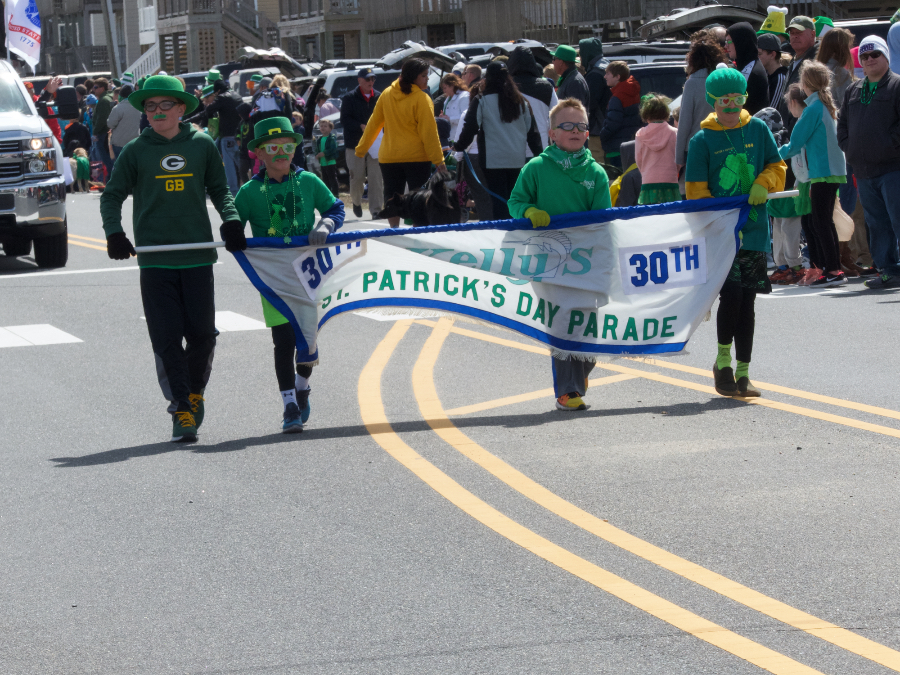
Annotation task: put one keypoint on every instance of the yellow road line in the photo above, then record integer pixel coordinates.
(543, 393)
(685, 384)
(78, 236)
(430, 405)
(765, 386)
(373, 415)
(96, 248)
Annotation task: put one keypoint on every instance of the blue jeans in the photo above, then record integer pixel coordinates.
(880, 197)
(230, 152)
(103, 152)
(847, 193)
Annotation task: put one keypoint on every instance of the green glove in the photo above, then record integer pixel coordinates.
(758, 194)
(537, 217)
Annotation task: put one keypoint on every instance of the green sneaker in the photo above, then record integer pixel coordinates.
(196, 401)
(184, 428)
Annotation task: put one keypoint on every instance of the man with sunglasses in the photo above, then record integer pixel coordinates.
(868, 132)
(170, 168)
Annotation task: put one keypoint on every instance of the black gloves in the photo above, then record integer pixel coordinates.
(232, 233)
(118, 246)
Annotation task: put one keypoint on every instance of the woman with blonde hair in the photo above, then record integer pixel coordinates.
(816, 131)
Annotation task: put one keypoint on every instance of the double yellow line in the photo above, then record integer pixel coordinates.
(78, 240)
(372, 410)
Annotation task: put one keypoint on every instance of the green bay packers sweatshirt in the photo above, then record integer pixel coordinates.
(169, 180)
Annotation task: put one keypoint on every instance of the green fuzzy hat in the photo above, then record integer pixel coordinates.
(724, 80)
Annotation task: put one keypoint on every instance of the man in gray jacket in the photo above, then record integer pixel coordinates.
(570, 83)
(868, 132)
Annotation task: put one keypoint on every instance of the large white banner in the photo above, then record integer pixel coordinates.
(620, 281)
(23, 30)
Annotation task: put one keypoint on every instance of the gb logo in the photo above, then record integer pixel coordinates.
(173, 163)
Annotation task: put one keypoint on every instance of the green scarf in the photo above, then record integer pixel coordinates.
(575, 165)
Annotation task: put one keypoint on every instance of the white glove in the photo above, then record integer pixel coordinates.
(320, 232)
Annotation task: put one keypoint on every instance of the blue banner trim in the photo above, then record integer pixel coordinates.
(560, 222)
(521, 328)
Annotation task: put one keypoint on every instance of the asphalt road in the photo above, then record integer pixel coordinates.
(437, 515)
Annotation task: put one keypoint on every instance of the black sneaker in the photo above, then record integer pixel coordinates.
(867, 271)
(724, 379)
(881, 281)
(357, 210)
(303, 403)
(830, 280)
(291, 424)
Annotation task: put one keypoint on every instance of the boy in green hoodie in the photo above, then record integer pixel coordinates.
(169, 169)
(563, 179)
(735, 154)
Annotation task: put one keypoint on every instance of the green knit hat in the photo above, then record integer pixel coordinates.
(274, 127)
(163, 85)
(724, 80)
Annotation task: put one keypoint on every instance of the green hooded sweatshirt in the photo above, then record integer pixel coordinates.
(169, 180)
(560, 182)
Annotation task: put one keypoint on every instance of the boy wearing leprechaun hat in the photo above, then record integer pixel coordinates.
(735, 154)
(170, 168)
(281, 201)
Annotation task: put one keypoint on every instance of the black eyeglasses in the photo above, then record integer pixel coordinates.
(149, 106)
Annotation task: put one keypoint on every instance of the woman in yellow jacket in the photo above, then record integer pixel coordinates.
(410, 145)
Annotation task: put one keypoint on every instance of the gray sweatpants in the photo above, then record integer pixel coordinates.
(570, 375)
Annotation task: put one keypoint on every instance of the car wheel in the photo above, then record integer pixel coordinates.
(13, 248)
(52, 251)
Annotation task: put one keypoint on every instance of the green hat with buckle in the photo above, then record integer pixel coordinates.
(274, 127)
(163, 85)
(565, 53)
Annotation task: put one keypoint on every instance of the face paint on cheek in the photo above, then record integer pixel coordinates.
(159, 116)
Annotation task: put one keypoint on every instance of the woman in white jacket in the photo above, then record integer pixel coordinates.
(457, 102)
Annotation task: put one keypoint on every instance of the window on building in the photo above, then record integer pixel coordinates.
(339, 48)
(441, 34)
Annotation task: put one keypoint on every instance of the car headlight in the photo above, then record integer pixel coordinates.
(39, 143)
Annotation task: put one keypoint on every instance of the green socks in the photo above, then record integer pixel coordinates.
(742, 370)
(723, 359)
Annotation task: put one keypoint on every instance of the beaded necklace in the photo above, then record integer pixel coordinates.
(868, 94)
(277, 212)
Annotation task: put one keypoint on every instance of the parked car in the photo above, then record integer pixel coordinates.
(32, 183)
(862, 28)
(193, 81)
(661, 78)
(466, 50)
(647, 51)
(681, 22)
(238, 79)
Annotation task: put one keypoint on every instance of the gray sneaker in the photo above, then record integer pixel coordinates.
(882, 281)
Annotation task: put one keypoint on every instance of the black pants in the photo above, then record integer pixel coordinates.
(821, 237)
(285, 353)
(501, 181)
(329, 177)
(736, 319)
(397, 176)
(179, 305)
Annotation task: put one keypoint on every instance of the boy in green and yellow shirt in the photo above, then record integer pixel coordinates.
(169, 169)
(281, 201)
(563, 179)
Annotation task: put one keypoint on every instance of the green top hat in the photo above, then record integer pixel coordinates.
(274, 127)
(163, 85)
(206, 91)
(565, 53)
(213, 75)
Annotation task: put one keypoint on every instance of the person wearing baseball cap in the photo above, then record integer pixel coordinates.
(802, 32)
(868, 132)
(357, 107)
(571, 84)
(768, 47)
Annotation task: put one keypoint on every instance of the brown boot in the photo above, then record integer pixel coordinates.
(724, 379)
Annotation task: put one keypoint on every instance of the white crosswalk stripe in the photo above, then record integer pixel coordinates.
(34, 335)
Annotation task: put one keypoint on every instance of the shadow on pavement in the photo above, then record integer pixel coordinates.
(314, 434)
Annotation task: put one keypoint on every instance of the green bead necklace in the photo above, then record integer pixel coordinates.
(277, 212)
